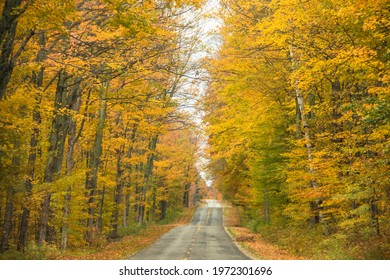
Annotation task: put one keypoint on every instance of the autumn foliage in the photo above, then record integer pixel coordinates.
(298, 119)
(93, 141)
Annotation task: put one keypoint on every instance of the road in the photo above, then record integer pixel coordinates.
(203, 239)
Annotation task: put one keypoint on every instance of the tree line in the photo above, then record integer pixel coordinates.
(297, 113)
(93, 139)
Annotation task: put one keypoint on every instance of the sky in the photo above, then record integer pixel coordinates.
(209, 38)
(207, 32)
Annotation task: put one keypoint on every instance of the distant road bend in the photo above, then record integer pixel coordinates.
(203, 239)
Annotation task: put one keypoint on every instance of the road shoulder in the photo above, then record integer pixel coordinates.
(250, 243)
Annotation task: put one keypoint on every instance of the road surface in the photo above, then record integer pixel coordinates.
(203, 239)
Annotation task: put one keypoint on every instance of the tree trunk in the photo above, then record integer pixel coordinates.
(147, 179)
(126, 210)
(23, 231)
(137, 194)
(298, 131)
(37, 79)
(99, 222)
(129, 168)
(186, 196)
(117, 195)
(75, 104)
(267, 218)
(314, 205)
(163, 209)
(9, 206)
(8, 24)
(55, 153)
(44, 218)
(374, 212)
(154, 200)
(7, 226)
(92, 175)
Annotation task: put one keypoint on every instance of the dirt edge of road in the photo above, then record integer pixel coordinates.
(231, 219)
(250, 243)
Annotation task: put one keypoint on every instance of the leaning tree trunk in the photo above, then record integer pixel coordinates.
(8, 24)
(12, 10)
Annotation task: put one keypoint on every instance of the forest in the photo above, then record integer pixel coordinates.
(100, 102)
(297, 114)
(94, 140)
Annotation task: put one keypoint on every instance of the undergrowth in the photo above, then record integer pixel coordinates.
(134, 238)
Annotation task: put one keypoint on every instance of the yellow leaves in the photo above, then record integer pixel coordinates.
(84, 56)
(380, 134)
(162, 165)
